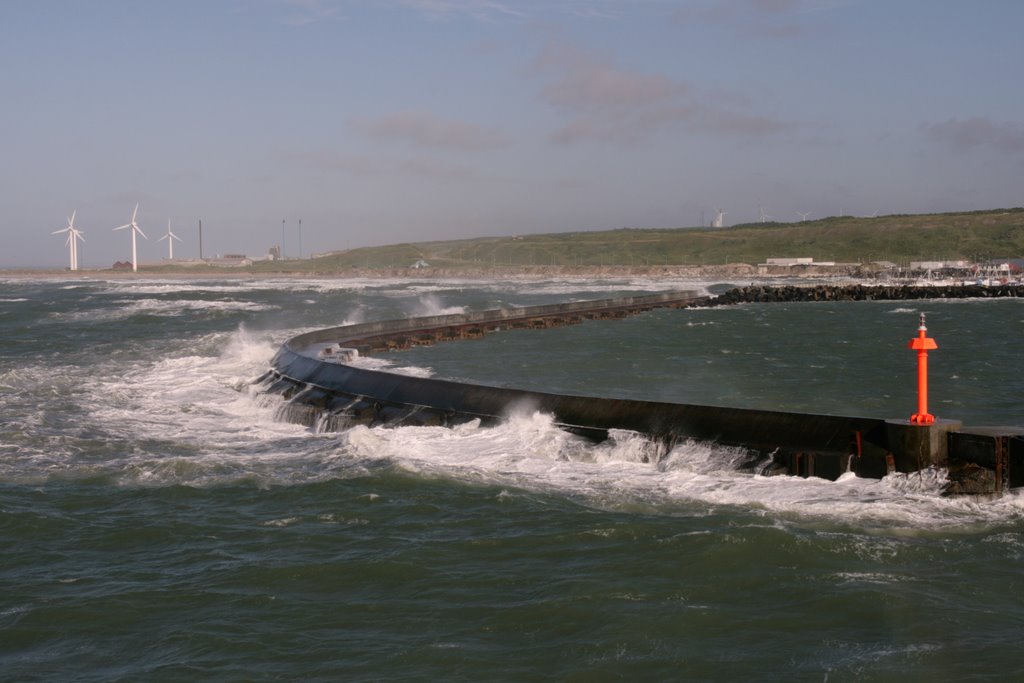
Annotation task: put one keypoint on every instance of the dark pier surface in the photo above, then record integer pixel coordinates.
(321, 389)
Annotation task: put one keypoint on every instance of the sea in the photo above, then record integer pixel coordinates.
(159, 521)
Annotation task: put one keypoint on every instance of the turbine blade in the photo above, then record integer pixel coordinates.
(122, 227)
(140, 232)
(57, 232)
(135, 211)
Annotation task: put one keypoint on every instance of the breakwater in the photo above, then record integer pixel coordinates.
(323, 389)
(771, 294)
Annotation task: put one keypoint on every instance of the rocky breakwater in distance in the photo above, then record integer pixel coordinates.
(769, 294)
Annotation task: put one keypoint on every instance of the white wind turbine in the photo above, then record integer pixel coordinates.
(803, 216)
(135, 229)
(719, 221)
(74, 234)
(170, 237)
(764, 218)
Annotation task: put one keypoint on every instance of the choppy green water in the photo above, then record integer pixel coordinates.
(157, 522)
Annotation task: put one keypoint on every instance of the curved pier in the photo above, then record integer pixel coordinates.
(322, 390)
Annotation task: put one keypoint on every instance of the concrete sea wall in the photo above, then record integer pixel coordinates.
(323, 391)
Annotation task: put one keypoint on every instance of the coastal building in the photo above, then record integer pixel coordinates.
(788, 262)
(230, 260)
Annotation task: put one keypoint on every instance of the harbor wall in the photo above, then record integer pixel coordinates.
(324, 392)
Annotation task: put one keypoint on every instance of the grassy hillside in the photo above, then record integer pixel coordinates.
(899, 238)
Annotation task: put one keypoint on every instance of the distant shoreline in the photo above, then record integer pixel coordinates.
(732, 270)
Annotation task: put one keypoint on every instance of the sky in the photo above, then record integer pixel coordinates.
(386, 121)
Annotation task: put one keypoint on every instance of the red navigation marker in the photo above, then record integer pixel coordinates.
(923, 345)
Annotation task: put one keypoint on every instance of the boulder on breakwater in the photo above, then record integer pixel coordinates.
(767, 294)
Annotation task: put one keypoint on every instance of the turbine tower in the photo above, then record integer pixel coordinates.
(74, 234)
(719, 221)
(803, 216)
(764, 218)
(135, 229)
(170, 237)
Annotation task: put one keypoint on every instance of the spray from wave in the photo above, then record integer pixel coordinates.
(628, 471)
(185, 416)
(430, 304)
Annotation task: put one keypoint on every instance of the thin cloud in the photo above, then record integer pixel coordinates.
(360, 165)
(605, 102)
(600, 86)
(481, 10)
(304, 12)
(977, 131)
(330, 162)
(429, 131)
(775, 6)
(731, 123)
(773, 19)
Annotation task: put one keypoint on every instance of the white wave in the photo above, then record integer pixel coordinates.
(189, 417)
(224, 285)
(413, 371)
(878, 578)
(192, 420)
(182, 287)
(402, 287)
(185, 419)
(192, 399)
(627, 470)
(131, 307)
(430, 304)
(562, 287)
(571, 287)
(385, 365)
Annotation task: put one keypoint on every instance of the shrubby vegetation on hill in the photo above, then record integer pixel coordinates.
(974, 235)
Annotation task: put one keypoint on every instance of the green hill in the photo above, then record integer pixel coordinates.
(973, 235)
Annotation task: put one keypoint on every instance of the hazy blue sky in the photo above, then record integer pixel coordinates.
(381, 121)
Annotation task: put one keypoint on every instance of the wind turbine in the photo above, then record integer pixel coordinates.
(170, 237)
(803, 216)
(763, 216)
(135, 229)
(74, 234)
(719, 219)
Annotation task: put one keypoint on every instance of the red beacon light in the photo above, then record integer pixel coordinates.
(922, 345)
